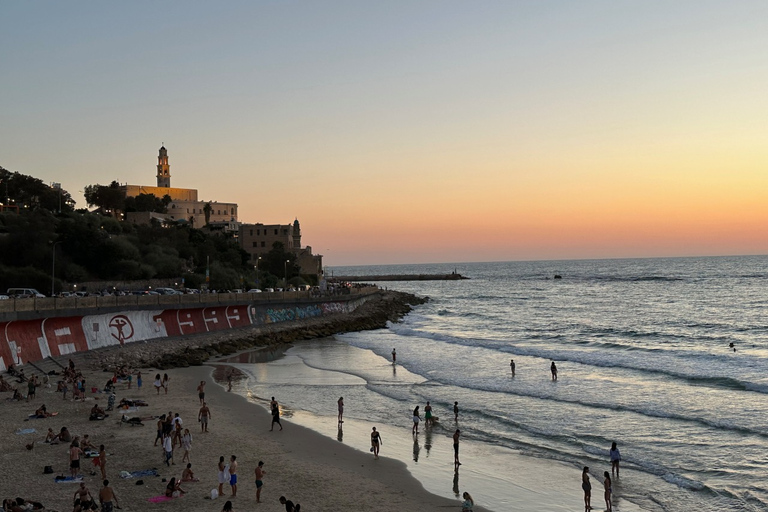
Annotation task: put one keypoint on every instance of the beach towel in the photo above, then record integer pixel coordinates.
(159, 499)
(90, 453)
(139, 474)
(22, 431)
(68, 479)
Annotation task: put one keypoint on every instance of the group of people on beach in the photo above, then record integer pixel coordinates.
(586, 486)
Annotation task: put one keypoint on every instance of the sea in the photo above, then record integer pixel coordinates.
(644, 357)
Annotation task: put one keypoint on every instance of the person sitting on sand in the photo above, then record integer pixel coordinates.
(468, 504)
(62, 437)
(173, 489)
(16, 395)
(97, 413)
(49, 436)
(188, 475)
(4, 386)
(109, 387)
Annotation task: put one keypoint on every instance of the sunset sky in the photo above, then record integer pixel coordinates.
(413, 131)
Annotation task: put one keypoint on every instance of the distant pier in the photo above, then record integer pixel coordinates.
(453, 276)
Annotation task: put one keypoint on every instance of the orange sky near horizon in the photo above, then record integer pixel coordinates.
(413, 132)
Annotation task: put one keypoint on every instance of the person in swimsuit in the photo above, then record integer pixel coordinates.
(106, 495)
(394, 356)
(138, 379)
(553, 369)
(166, 381)
(615, 459)
(275, 415)
(158, 383)
(456, 435)
(456, 411)
(416, 420)
(587, 488)
(427, 415)
(74, 458)
(512, 366)
(201, 392)
(341, 409)
(259, 480)
(203, 416)
(233, 475)
(608, 491)
(375, 442)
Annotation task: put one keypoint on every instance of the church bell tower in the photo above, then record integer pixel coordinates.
(163, 169)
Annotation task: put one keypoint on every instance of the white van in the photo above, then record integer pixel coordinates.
(22, 293)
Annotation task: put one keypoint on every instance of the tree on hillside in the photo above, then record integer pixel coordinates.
(108, 198)
(275, 260)
(147, 203)
(207, 209)
(29, 192)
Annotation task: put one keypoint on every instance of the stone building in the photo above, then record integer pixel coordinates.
(184, 204)
(258, 239)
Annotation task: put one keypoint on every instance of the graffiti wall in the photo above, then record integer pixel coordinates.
(23, 341)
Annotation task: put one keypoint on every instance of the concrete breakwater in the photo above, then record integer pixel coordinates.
(453, 276)
(182, 351)
(33, 340)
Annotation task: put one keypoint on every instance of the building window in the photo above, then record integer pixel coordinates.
(251, 232)
(285, 231)
(263, 244)
(218, 212)
(275, 231)
(233, 211)
(255, 244)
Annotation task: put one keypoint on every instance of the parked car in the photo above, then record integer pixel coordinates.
(269, 290)
(192, 291)
(4, 297)
(167, 291)
(23, 293)
(254, 290)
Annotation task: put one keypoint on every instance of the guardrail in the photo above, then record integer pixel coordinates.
(52, 304)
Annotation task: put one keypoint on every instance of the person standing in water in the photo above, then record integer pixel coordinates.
(416, 420)
(608, 491)
(394, 356)
(341, 410)
(428, 415)
(615, 459)
(553, 369)
(375, 442)
(587, 488)
(512, 366)
(456, 411)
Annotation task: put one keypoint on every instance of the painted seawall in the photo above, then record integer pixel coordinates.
(26, 340)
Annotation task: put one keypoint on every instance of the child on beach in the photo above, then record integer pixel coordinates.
(468, 504)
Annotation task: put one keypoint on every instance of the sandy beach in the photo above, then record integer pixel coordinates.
(301, 464)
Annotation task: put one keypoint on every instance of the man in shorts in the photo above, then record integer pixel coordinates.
(233, 475)
(203, 416)
(74, 459)
(201, 392)
(106, 495)
(259, 480)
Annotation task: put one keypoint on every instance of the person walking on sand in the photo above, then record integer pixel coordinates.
(587, 488)
(166, 382)
(74, 458)
(394, 356)
(186, 443)
(259, 480)
(201, 392)
(456, 435)
(341, 409)
(376, 441)
(468, 504)
(416, 420)
(168, 449)
(275, 415)
(138, 380)
(106, 495)
(456, 411)
(553, 369)
(512, 366)
(608, 491)
(233, 475)
(103, 462)
(158, 383)
(203, 416)
(615, 459)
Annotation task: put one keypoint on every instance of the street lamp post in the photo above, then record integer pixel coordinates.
(257, 271)
(53, 269)
(286, 275)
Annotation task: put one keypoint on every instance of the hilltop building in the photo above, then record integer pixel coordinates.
(184, 205)
(258, 239)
